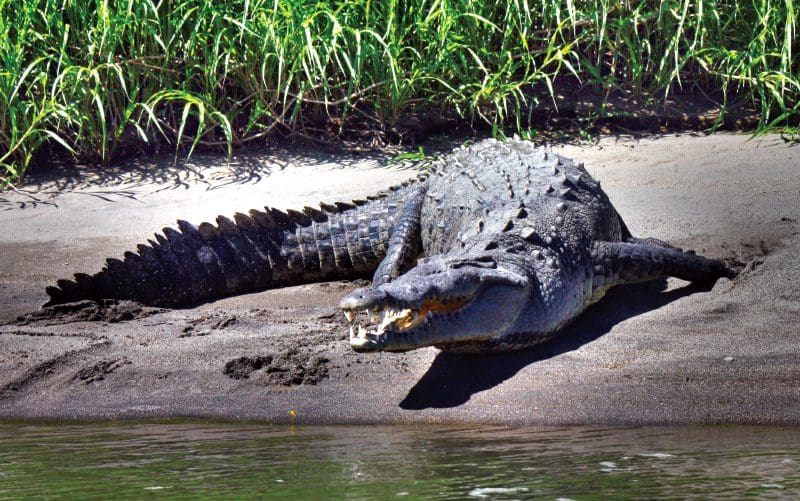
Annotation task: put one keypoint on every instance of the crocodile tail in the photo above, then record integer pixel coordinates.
(260, 250)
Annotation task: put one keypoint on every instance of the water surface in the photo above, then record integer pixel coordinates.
(188, 459)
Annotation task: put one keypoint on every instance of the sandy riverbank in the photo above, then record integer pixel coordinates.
(660, 353)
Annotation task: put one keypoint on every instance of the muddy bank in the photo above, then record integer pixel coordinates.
(656, 353)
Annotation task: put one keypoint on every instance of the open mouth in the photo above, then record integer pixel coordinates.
(369, 326)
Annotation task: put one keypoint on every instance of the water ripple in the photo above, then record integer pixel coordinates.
(186, 459)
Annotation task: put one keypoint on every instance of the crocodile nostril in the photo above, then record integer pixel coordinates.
(362, 298)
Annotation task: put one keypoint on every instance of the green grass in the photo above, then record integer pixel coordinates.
(96, 78)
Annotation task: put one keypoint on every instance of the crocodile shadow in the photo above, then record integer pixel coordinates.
(452, 378)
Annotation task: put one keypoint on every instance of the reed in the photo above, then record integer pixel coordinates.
(94, 77)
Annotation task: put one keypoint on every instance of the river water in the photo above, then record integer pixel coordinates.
(191, 459)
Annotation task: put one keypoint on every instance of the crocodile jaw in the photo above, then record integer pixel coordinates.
(371, 328)
(435, 304)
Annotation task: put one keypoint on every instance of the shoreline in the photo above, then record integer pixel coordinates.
(659, 353)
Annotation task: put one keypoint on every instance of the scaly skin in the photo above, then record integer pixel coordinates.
(518, 241)
(514, 241)
(265, 249)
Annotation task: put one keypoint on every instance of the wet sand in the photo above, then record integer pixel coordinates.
(663, 352)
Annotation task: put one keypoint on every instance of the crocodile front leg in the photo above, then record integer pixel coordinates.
(625, 262)
(405, 243)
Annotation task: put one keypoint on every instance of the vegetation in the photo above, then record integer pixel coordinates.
(95, 77)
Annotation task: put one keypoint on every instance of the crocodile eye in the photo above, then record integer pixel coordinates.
(486, 262)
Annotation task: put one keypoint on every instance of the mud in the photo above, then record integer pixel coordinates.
(100, 370)
(287, 369)
(662, 352)
(107, 310)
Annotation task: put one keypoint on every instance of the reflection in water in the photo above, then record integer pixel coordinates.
(185, 459)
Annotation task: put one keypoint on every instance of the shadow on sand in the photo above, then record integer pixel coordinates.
(215, 170)
(453, 378)
(126, 178)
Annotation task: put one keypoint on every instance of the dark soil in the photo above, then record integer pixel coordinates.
(105, 310)
(286, 369)
(101, 369)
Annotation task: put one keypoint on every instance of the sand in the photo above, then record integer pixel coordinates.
(659, 353)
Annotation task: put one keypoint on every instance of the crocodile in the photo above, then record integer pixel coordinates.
(496, 247)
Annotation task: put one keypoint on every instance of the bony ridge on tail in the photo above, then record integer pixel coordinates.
(497, 248)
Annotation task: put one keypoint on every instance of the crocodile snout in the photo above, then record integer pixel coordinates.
(362, 298)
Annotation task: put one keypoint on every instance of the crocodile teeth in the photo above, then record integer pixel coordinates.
(349, 315)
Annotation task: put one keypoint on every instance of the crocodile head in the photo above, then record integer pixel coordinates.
(442, 301)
